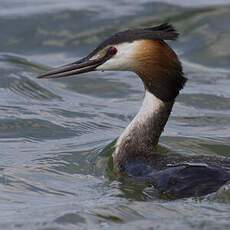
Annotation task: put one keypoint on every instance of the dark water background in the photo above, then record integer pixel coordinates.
(54, 135)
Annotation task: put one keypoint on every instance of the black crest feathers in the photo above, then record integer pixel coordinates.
(164, 31)
(161, 32)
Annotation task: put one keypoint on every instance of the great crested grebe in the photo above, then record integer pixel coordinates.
(145, 52)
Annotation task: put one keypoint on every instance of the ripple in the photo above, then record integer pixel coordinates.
(21, 61)
(204, 121)
(14, 77)
(70, 218)
(33, 128)
(206, 101)
(16, 184)
(30, 89)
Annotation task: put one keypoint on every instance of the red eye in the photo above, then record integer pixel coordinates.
(112, 50)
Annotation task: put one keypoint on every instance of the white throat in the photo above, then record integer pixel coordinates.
(142, 134)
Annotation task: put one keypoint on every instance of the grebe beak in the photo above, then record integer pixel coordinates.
(83, 65)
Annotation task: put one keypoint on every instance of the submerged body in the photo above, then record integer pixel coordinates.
(144, 52)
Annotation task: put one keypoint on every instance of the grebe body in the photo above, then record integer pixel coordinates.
(145, 52)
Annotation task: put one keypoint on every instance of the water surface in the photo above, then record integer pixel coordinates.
(56, 136)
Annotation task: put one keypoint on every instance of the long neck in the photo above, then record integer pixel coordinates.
(142, 134)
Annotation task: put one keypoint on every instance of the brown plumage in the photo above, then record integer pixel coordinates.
(160, 69)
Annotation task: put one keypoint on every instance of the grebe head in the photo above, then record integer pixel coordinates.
(142, 51)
